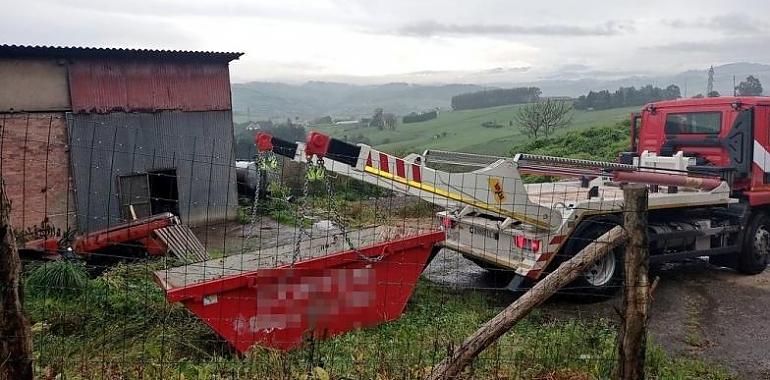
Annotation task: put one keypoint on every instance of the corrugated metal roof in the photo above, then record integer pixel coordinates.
(115, 53)
(103, 85)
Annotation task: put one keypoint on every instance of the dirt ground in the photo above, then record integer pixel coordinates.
(698, 310)
(716, 314)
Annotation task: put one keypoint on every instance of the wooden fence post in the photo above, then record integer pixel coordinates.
(487, 334)
(15, 335)
(632, 337)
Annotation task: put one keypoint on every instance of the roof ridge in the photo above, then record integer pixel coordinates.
(46, 50)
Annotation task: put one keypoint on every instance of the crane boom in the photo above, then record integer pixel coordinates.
(496, 189)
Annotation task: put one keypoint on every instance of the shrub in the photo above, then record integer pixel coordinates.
(62, 277)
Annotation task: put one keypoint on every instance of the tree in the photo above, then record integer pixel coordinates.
(541, 119)
(495, 97)
(672, 92)
(713, 94)
(750, 87)
(16, 346)
(378, 119)
(390, 120)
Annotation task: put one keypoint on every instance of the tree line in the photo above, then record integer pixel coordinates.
(416, 118)
(495, 97)
(626, 96)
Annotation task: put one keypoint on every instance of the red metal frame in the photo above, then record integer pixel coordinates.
(652, 135)
(134, 231)
(320, 297)
(264, 142)
(317, 143)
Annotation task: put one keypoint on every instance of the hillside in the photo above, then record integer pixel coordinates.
(462, 131)
(264, 100)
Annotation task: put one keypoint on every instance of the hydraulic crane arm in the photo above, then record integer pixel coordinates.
(496, 189)
(296, 152)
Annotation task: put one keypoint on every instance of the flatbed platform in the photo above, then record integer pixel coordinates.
(310, 247)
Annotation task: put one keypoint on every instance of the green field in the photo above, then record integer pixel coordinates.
(462, 130)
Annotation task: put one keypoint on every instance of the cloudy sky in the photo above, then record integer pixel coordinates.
(413, 40)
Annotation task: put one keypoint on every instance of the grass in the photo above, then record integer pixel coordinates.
(462, 130)
(118, 325)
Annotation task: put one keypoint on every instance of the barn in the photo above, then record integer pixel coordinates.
(96, 136)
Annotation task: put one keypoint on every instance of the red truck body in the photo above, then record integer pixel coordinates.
(732, 133)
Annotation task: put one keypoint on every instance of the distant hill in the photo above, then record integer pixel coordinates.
(262, 100)
(693, 81)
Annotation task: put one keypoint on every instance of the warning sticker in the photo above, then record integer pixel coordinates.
(497, 189)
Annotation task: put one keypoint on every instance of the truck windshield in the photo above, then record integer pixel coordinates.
(693, 122)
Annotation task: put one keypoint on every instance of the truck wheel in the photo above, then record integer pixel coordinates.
(604, 278)
(754, 256)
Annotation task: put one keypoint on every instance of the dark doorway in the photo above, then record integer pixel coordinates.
(164, 192)
(146, 194)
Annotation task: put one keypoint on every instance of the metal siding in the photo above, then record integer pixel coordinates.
(105, 146)
(33, 85)
(103, 86)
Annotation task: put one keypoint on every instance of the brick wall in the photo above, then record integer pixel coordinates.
(35, 169)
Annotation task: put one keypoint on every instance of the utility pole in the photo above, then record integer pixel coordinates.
(685, 88)
(632, 337)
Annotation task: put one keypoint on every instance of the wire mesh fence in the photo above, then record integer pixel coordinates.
(149, 251)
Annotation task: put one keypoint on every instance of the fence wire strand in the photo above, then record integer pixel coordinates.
(118, 308)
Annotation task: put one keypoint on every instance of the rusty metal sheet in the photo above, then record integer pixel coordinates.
(103, 85)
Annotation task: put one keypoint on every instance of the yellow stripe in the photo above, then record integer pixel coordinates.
(456, 197)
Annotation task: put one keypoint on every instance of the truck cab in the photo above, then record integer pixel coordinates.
(728, 136)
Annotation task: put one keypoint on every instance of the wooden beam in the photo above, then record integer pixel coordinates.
(567, 272)
(632, 337)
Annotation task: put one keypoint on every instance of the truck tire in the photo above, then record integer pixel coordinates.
(605, 277)
(754, 256)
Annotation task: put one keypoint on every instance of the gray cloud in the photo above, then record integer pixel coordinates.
(731, 23)
(432, 28)
(716, 50)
